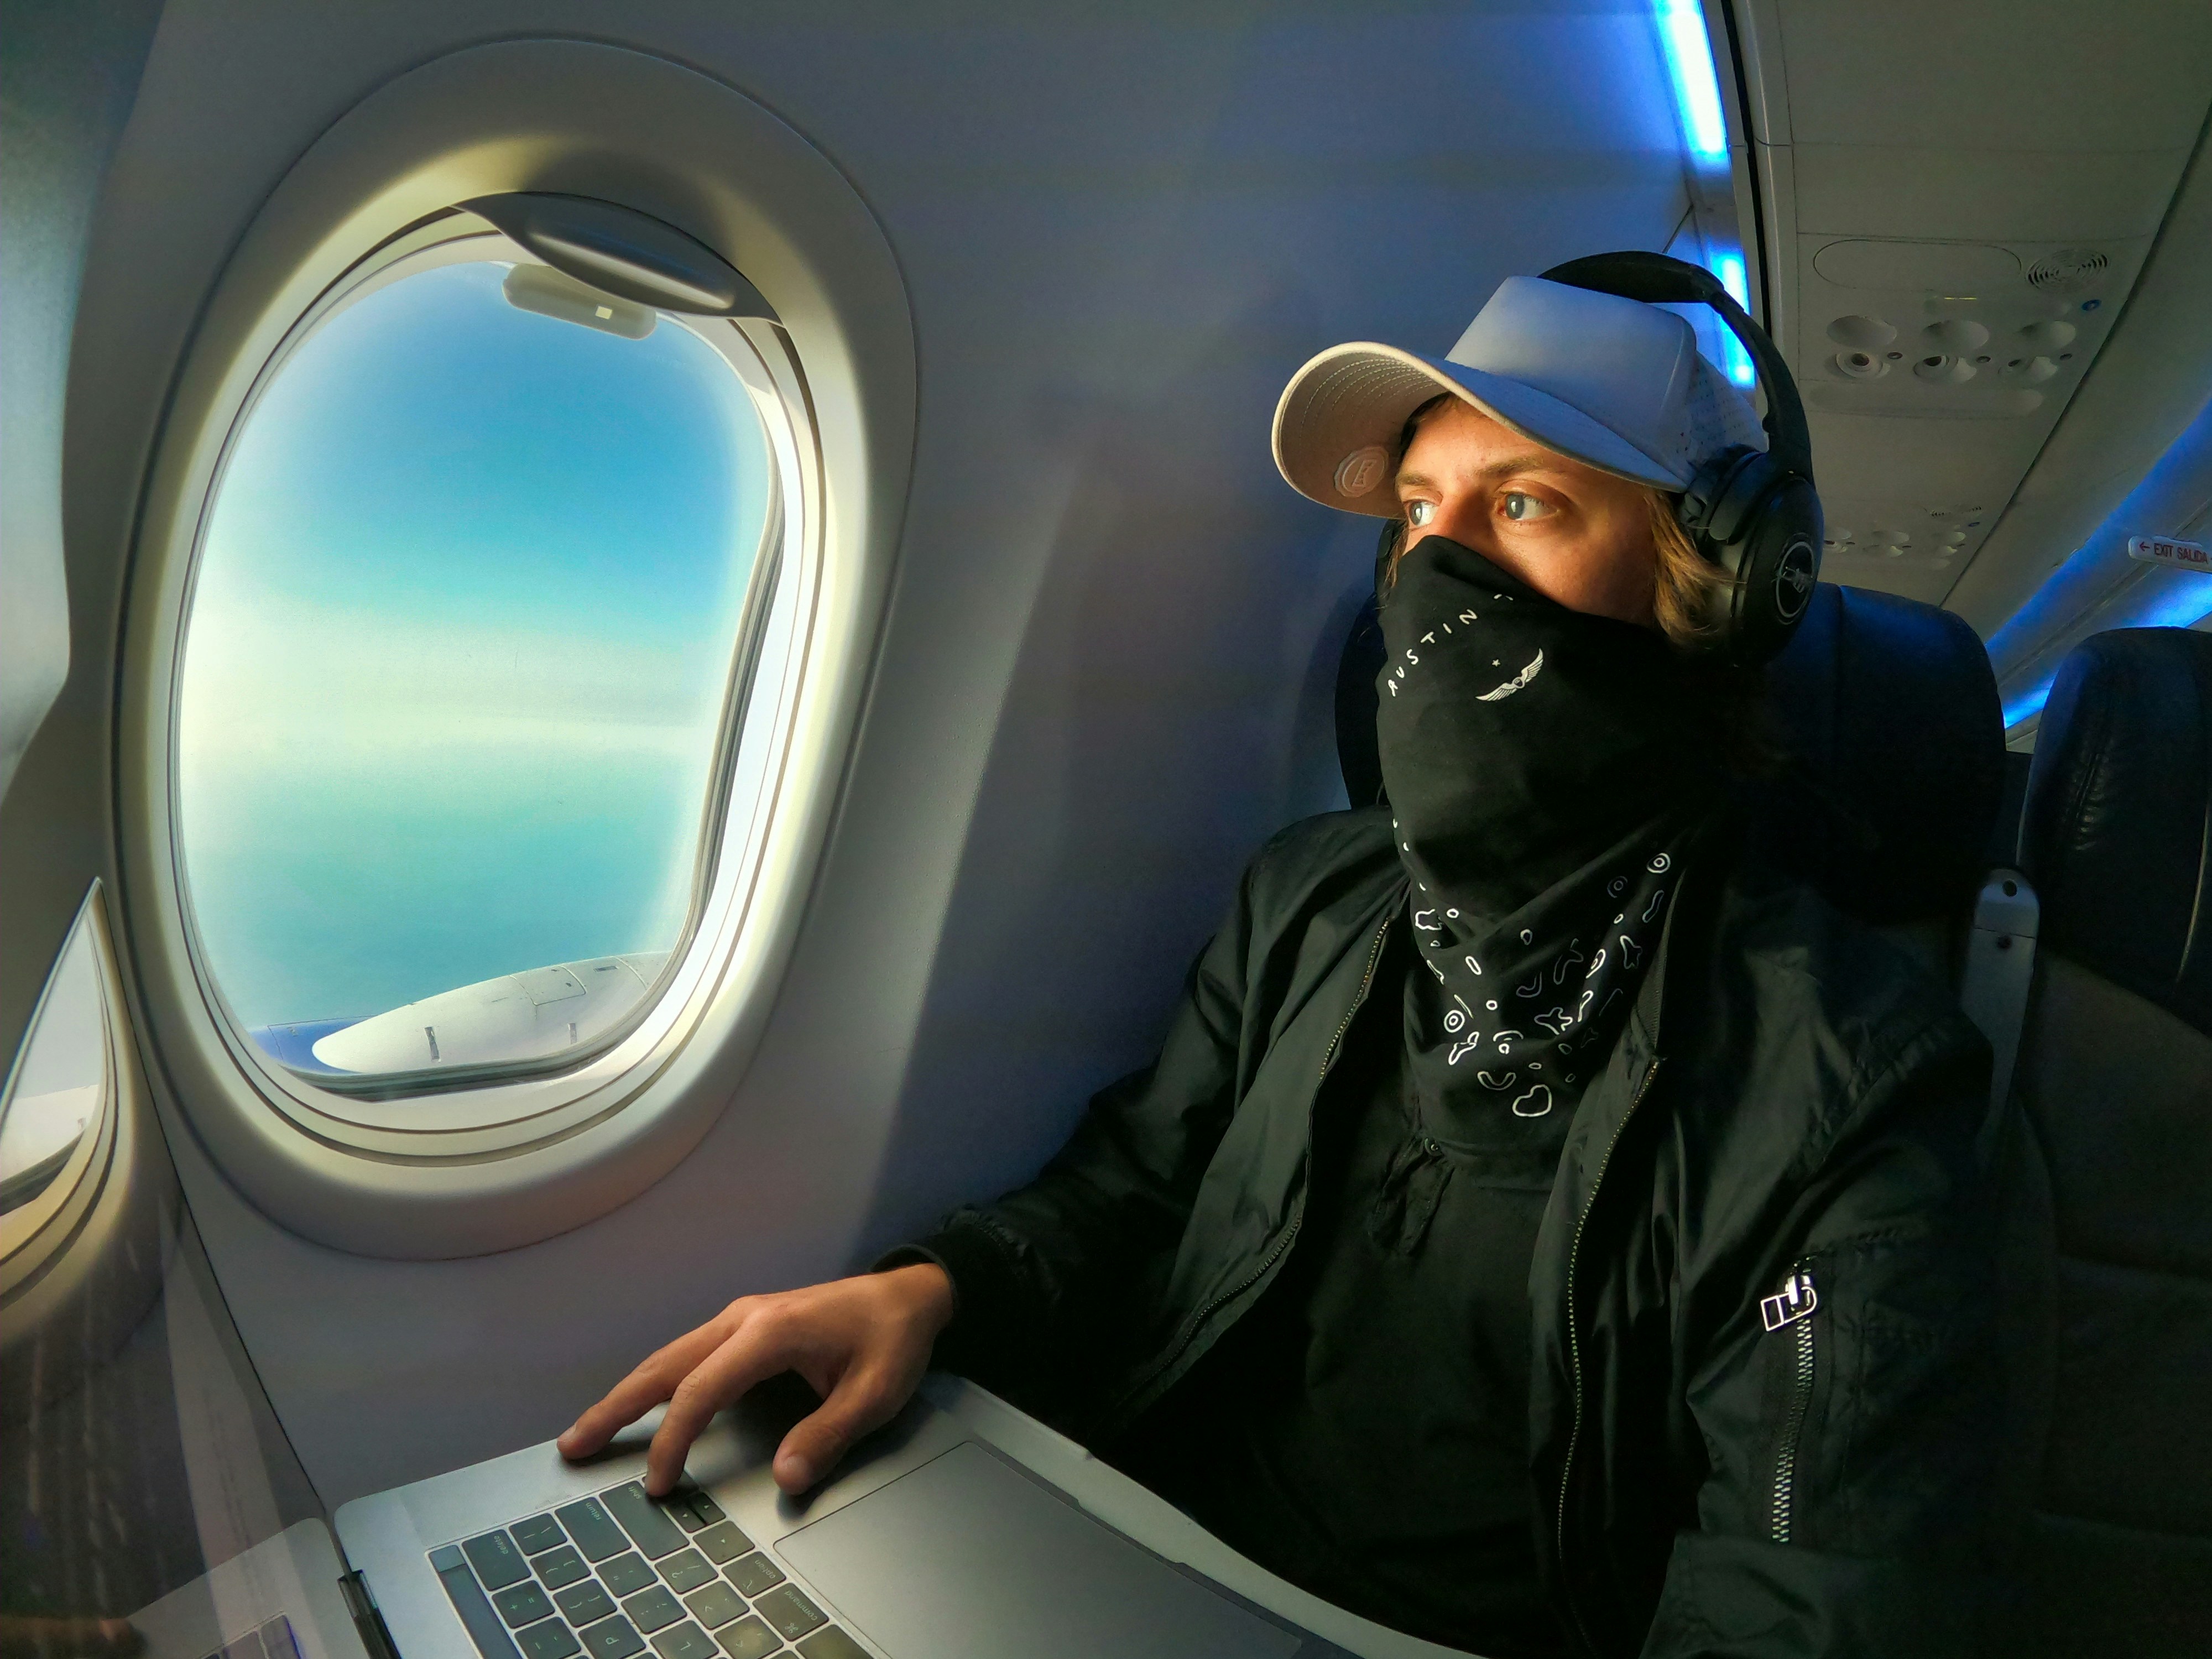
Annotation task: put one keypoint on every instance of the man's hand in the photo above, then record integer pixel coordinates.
(861, 1343)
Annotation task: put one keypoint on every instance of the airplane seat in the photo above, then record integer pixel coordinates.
(1888, 715)
(2115, 1076)
(1888, 712)
(1358, 751)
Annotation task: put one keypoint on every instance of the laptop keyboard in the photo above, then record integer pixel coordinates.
(622, 1576)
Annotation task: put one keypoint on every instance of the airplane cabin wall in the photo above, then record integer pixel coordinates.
(70, 77)
(1106, 672)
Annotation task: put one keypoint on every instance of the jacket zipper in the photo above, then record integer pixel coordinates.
(1197, 1322)
(1793, 1305)
(1366, 979)
(1574, 1334)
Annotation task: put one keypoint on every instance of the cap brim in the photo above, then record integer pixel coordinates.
(1357, 397)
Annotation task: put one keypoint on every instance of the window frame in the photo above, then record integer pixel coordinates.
(30, 1234)
(492, 1106)
(374, 1172)
(88, 1253)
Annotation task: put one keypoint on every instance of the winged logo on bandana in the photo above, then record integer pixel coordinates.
(1535, 667)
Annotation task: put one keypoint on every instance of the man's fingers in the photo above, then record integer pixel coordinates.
(864, 1398)
(638, 1393)
(758, 1349)
(862, 1341)
(630, 1400)
(634, 1396)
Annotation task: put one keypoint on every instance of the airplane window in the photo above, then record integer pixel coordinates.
(465, 638)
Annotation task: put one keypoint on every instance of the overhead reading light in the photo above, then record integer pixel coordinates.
(1696, 89)
(622, 252)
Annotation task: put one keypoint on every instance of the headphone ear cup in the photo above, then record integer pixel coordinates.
(1776, 560)
(1758, 525)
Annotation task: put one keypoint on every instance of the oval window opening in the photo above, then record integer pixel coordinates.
(460, 669)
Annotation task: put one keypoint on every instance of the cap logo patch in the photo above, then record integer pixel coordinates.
(1358, 473)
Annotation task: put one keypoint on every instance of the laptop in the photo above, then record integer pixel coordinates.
(151, 1505)
(938, 1542)
(147, 1479)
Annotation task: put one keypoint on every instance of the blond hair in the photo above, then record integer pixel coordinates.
(1684, 582)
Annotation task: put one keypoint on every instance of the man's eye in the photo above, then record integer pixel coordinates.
(1418, 514)
(1521, 508)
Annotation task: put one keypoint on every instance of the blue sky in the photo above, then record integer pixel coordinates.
(458, 647)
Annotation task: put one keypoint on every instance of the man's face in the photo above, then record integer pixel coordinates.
(1574, 534)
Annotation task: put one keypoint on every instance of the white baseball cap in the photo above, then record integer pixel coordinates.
(1616, 383)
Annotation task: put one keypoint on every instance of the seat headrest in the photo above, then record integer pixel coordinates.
(1890, 714)
(1357, 750)
(2117, 835)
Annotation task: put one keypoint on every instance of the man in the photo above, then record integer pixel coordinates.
(1541, 1231)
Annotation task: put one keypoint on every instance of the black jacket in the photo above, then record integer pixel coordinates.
(1792, 1095)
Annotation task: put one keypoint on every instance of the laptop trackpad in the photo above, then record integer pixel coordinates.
(965, 1558)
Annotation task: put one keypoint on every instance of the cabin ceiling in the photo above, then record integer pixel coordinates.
(1959, 201)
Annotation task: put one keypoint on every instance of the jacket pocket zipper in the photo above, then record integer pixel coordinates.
(1791, 1307)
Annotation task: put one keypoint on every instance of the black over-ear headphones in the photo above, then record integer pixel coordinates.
(1754, 515)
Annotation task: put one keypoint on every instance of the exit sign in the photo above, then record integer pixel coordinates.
(2161, 549)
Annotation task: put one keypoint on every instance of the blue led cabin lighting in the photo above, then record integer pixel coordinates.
(1728, 267)
(1697, 88)
(2181, 607)
(2165, 599)
(2015, 713)
(2101, 587)
(1689, 53)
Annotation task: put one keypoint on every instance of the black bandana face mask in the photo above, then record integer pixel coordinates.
(1544, 768)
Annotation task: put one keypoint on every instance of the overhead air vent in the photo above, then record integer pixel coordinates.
(1934, 370)
(2067, 270)
(1946, 246)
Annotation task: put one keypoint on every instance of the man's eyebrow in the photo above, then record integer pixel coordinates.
(1534, 461)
